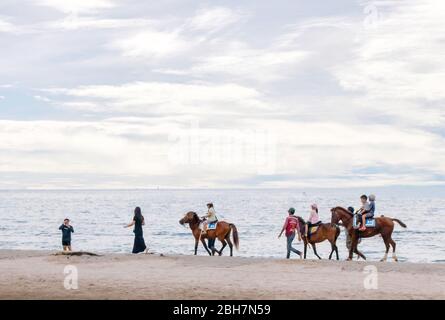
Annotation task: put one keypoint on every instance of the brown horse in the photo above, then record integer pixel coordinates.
(222, 232)
(383, 226)
(325, 231)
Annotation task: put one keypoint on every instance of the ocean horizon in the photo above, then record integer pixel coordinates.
(30, 218)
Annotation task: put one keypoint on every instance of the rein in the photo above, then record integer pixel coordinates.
(346, 221)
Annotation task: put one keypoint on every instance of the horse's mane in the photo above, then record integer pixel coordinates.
(344, 210)
(300, 219)
(195, 216)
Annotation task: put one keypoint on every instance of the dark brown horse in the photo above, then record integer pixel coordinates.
(325, 231)
(383, 226)
(222, 233)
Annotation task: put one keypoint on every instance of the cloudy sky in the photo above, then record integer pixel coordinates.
(179, 93)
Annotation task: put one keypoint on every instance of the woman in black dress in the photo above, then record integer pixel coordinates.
(138, 222)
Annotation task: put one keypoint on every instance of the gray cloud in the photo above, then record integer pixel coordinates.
(346, 97)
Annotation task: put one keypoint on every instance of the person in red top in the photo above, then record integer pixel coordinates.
(291, 226)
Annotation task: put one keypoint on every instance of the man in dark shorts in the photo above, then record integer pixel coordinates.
(67, 229)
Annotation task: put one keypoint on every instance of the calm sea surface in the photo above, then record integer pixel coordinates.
(30, 219)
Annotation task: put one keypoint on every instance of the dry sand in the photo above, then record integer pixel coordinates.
(40, 275)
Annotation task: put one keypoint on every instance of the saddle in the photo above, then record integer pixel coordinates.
(312, 230)
(370, 223)
(356, 221)
(210, 225)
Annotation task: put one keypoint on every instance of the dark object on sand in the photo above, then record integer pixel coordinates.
(76, 253)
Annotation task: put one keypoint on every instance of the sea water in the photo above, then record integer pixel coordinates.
(30, 219)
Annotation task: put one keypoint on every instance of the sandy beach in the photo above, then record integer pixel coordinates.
(40, 275)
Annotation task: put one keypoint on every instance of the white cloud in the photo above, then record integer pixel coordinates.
(162, 98)
(261, 65)
(348, 102)
(78, 147)
(42, 98)
(186, 35)
(214, 19)
(152, 44)
(7, 27)
(74, 22)
(126, 147)
(2, 97)
(399, 57)
(77, 6)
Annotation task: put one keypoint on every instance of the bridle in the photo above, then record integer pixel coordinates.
(344, 220)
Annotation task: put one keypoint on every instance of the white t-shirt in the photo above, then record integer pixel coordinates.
(211, 216)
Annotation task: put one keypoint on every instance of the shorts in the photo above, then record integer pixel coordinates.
(66, 243)
(369, 215)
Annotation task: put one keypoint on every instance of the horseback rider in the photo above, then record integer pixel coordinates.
(313, 220)
(210, 217)
(367, 210)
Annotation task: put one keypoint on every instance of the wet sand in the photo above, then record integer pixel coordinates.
(40, 275)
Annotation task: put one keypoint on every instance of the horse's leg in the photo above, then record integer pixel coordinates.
(356, 251)
(230, 244)
(352, 247)
(212, 245)
(386, 241)
(315, 250)
(331, 239)
(196, 246)
(224, 244)
(393, 244)
(305, 248)
(205, 246)
(332, 250)
(334, 244)
(360, 255)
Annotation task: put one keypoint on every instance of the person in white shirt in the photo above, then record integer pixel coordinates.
(210, 217)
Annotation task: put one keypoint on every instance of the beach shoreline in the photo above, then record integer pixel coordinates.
(40, 275)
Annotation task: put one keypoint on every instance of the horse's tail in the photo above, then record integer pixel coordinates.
(235, 235)
(399, 222)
